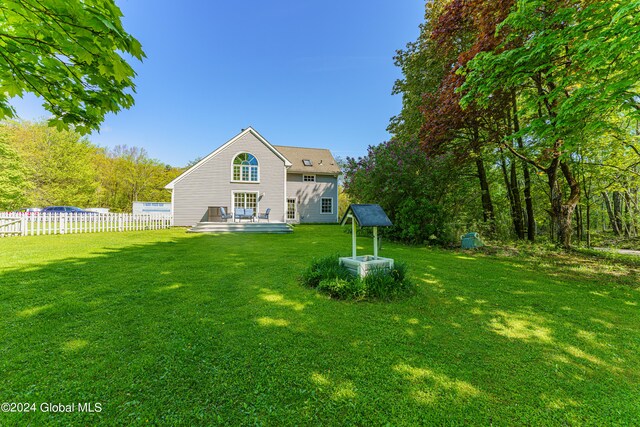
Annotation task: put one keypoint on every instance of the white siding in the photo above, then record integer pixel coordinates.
(309, 195)
(210, 184)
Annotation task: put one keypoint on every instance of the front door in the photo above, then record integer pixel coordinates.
(247, 200)
(291, 209)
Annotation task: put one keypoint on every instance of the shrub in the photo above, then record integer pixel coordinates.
(350, 288)
(388, 284)
(323, 268)
(399, 271)
(329, 277)
(418, 219)
(419, 193)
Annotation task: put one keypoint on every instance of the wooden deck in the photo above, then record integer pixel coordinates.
(242, 227)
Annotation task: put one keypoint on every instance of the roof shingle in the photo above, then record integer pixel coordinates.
(322, 161)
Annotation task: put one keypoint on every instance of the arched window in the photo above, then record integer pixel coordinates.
(245, 167)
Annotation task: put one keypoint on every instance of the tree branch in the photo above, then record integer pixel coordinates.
(625, 169)
(524, 158)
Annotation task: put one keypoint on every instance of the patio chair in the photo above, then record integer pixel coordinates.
(238, 213)
(264, 215)
(248, 214)
(224, 215)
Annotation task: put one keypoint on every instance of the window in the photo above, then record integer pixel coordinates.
(326, 205)
(309, 178)
(245, 168)
(307, 162)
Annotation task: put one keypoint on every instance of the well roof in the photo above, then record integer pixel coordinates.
(367, 215)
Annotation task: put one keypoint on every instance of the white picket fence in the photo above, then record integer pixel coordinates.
(35, 224)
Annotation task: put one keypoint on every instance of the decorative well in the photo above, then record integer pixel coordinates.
(365, 215)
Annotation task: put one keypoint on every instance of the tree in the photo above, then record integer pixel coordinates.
(128, 174)
(574, 64)
(461, 30)
(411, 187)
(58, 164)
(13, 181)
(543, 96)
(69, 53)
(42, 166)
(423, 67)
(425, 64)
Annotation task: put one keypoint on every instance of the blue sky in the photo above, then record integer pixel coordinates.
(303, 73)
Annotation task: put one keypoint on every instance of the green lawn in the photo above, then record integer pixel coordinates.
(169, 328)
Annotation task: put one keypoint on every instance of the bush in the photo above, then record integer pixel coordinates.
(343, 288)
(419, 193)
(388, 284)
(399, 271)
(418, 220)
(324, 268)
(329, 277)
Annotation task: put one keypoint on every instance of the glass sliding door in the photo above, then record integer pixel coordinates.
(248, 200)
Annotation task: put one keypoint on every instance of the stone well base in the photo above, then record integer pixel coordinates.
(365, 263)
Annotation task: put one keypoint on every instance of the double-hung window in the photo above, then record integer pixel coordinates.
(326, 205)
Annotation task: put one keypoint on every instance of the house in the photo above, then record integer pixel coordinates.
(298, 184)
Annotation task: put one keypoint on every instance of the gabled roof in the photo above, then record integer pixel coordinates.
(321, 160)
(225, 145)
(367, 216)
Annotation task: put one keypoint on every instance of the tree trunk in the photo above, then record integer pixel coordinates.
(517, 225)
(632, 211)
(588, 224)
(579, 224)
(617, 212)
(612, 217)
(528, 201)
(561, 211)
(587, 197)
(487, 206)
(518, 220)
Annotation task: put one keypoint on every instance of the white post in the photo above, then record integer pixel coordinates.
(375, 242)
(353, 237)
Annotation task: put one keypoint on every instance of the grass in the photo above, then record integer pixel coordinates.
(167, 328)
(610, 240)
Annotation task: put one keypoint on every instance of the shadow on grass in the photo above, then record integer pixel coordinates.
(215, 329)
(578, 265)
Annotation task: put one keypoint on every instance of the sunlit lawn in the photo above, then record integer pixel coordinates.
(169, 328)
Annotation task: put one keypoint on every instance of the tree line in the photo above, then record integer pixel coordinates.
(43, 166)
(519, 119)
